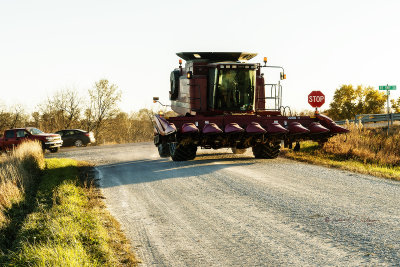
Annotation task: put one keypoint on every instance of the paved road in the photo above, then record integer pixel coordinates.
(233, 210)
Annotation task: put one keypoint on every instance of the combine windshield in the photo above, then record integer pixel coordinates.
(232, 89)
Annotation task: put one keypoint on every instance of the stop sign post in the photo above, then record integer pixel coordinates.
(316, 99)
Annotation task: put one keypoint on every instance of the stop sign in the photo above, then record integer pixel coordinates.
(316, 99)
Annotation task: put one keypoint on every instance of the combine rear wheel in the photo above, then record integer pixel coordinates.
(267, 151)
(296, 147)
(322, 142)
(163, 150)
(181, 152)
(238, 150)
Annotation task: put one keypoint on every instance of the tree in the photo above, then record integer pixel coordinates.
(104, 98)
(374, 101)
(12, 117)
(60, 111)
(69, 103)
(349, 101)
(395, 105)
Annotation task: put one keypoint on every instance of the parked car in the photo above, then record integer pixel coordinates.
(76, 137)
(13, 137)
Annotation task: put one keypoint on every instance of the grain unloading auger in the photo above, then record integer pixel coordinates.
(223, 101)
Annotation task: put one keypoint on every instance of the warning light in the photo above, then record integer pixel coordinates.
(180, 62)
(265, 61)
(283, 76)
(189, 74)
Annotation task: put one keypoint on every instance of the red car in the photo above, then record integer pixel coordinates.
(13, 137)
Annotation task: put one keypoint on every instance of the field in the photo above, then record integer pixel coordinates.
(52, 214)
(366, 150)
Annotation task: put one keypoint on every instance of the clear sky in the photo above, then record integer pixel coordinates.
(46, 46)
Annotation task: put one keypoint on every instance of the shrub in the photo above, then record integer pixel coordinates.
(370, 145)
(18, 172)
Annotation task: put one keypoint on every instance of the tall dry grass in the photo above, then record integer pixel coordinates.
(370, 145)
(18, 172)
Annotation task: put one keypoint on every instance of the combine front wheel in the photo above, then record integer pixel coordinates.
(267, 151)
(296, 147)
(181, 152)
(163, 150)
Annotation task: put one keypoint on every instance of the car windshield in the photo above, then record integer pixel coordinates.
(233, 90)
(34, 131)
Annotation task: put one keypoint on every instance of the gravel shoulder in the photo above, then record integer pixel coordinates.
(223, 209)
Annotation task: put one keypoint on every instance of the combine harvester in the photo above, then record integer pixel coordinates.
(223, 102)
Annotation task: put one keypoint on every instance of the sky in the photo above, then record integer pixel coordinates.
(47, 46)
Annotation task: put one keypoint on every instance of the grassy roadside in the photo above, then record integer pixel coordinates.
(312, 153)
(65, 223)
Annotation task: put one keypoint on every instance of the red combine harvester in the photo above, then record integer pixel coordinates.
(223, 102)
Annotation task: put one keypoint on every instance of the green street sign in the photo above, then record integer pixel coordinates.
(387, 87)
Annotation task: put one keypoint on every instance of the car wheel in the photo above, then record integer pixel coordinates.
(78, 143)
(54, 150)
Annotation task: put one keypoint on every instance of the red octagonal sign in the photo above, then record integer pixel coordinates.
(316, 99)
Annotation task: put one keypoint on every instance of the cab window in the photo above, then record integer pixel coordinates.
(9, 134)
(21, 133)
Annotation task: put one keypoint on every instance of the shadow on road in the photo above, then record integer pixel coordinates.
(144, 171)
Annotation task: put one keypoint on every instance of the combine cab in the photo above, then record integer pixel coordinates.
(223, 102)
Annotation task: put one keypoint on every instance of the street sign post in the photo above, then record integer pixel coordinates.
(316, 99)
(388, 88)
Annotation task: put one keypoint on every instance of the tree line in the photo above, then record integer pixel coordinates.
(349, 101)
(98, 112)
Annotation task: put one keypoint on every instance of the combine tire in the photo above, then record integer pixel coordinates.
(180, 152)
(163, 150)
(267, 151)
(297, 147)
(238, 150)
(322, 142)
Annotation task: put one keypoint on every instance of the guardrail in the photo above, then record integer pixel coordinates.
(366, 118)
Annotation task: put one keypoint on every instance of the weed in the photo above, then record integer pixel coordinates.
(364, 150)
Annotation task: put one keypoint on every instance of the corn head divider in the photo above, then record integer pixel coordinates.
(221, 103)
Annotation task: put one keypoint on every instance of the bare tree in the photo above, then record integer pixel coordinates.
(12, 117)
(104, 98)
(69, 103)
(18, 116)
(61, 110)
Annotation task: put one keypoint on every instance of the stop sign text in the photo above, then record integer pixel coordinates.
(316, 99)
